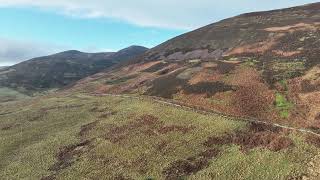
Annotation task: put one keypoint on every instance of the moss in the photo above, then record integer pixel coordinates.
(284, 84)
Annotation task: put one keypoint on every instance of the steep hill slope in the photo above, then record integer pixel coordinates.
(61, 69)
(263, 65)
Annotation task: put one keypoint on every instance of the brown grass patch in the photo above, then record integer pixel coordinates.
(86, 128)
(286, 53)
(147, 125)
(66, 157)
(256, 48)
(313, 140)
(183, 168)
(102, 89)
(205, 76)
(294, 27)
(252, 96)
(140, 67)
(257, 135)
(253, 101)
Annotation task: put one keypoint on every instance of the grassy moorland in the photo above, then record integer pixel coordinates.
(8, 94)
(86, 137)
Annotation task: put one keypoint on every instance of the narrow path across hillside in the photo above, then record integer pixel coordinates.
(203, 111)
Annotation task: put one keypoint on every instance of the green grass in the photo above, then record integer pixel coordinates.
(8, 94)
(284, 84)
(288, 70)
(250, 62)
(34, 131)
(283, 105)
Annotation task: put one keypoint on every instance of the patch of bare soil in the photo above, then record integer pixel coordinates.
(257, 135)
(183, 168)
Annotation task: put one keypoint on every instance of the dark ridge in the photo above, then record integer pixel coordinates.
(62, 69)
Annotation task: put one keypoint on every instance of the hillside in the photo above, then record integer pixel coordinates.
(78, 136)
(58, 70)
(235, 100)
(261, 65)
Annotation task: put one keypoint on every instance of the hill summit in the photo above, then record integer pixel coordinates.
(58, 70)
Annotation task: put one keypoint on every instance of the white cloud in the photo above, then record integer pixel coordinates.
(14, 51)
(182, 14)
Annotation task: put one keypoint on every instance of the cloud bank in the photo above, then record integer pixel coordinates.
(180, 14)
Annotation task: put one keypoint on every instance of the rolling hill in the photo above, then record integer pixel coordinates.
(58, 70)
(238, 99)
(261, 65)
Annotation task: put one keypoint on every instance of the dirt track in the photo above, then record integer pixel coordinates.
(203, 111)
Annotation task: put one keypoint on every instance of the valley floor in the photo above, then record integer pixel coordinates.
(87, 137)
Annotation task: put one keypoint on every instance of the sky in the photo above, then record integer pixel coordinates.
(32, 28)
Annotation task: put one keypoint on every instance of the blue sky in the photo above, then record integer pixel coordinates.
(32, 28)
(30, 24)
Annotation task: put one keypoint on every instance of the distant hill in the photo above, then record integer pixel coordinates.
(263, 64)
(61, 69)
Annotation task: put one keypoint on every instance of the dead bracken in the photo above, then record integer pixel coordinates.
(256, 136)
(183, 168)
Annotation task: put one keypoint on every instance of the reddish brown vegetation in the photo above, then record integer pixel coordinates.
(314, 140)
(256, 48)
(68, 154)
(86, 128)
(257, 136)
(182, 168)
(253, 101)
(294, 27)
(145, 125)
(252, 97)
